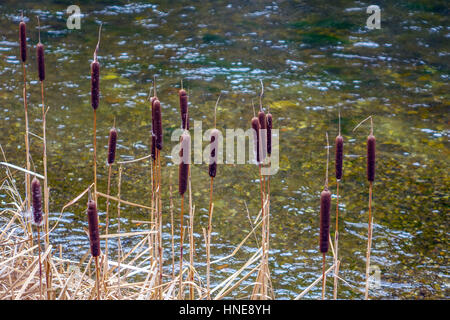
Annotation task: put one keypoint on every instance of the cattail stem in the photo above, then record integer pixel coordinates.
(369, 242)
(94, 238)
(172, 225)
(23, 58)
(97, 278)
(27, 148)
(112, 143)
(263, 228)
(153, 203)
(339, 154)
(94, 134)
(325, 204)
(40, 262)
(27, 143)
(180, 294)
(323, 276)
(108, 191)
(160, 247)
(191, 240)
(119, 245)
(336, 239)
(208, 237)
(46, 195)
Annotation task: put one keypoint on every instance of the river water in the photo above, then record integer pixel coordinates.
(315, 58)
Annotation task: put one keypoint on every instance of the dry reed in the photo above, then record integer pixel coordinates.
(339, 156)
(41, 74)
(371, 142)
(212, 171)
(112, 143)
(183, 173)
(325, 204)
(95, 100)
(94, 239)
(23, 58)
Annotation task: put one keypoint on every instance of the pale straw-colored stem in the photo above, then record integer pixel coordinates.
(369, 243)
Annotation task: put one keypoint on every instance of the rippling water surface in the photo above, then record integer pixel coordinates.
(315, 58)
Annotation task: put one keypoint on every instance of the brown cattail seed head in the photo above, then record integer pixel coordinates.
(185, 152)
(112, 145)
(23, 41)
(158, 124)
(263, 134)
(153, 150)
(153, 147)
(152, 101)
(269, 134)
(95, 84)
(36, 196)
(214, 149)
(339, 156)
(184, 109)
(371, 158)
(256, 138)
(40, 61)
(94, 236)
(325, 204)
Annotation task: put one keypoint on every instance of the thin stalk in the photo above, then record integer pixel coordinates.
(27, 143)
(27, 148)
(160, 249)
(336, 234)
(369, 243)
(119, 258)
(336, 239)
(191, 240)
(46, 196)
(97, 278)
(326, 187)
(323, 276)
(208, 237)
(263, 228)
(153, 204)
(95, 154)
(181, 246)
(172, 225)
(108, 191)
(40, 263)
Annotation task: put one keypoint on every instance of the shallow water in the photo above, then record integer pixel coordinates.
(315, 59)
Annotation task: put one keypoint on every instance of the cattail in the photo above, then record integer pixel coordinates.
(40, 61)
(256, 137)
(95, 84)
(23, 41)
(263, 133)
(153, 147)
(112, 145)
(184, 109)
(153, 150)
(325, 204)
(269, 133)
(185, 150)
(158, 124)
(339, 156)
(94, 236)
(214, 149)
(36, 195)
(371, 158)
